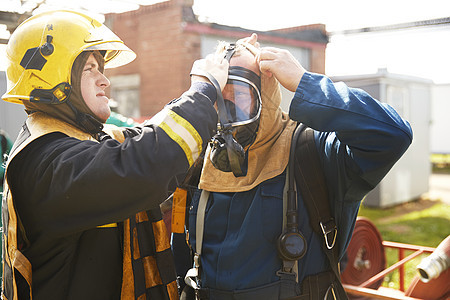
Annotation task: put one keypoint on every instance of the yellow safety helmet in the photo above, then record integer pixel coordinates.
(41, 51)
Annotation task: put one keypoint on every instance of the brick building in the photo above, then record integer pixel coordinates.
(168, 38)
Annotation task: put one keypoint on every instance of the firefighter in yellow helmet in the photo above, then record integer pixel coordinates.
(80, 211)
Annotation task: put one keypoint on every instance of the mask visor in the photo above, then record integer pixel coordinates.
(242, 101)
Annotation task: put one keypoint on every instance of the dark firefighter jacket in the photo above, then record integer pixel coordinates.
(71, 196)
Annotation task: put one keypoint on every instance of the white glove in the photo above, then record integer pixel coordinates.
(214, 66)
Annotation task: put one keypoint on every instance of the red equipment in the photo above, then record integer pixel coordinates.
(366, 267)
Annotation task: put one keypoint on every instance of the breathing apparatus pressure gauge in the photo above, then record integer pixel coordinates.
(291, 243)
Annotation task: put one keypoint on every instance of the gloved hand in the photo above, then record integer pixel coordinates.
(253, 41)
(278, 62)
(215, 66)
(283, 65)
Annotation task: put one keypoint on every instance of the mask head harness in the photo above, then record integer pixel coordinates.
(238, 105)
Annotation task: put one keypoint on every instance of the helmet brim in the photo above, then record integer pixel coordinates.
(117, 53)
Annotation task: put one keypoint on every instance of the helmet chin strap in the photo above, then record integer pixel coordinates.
(86, 121)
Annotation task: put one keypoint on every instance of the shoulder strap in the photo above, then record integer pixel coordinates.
(192, 277)
(309, 176)
(311, 181)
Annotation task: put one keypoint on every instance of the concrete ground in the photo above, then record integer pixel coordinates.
(440, 187)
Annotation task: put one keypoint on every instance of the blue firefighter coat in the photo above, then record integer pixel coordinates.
(358, 140)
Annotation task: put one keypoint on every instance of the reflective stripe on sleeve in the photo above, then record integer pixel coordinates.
(181, 131)
(111, 225)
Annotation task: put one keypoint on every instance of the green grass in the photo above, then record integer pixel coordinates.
(420, 223)
(440, 163)
(440, 158)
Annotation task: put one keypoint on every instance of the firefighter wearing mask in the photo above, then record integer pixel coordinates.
(80, 211)
(236, 214)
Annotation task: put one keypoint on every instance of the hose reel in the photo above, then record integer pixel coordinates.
(366, 256)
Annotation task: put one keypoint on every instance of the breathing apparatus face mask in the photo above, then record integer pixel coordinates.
(239, 111)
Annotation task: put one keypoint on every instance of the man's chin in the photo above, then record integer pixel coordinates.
(104, 116)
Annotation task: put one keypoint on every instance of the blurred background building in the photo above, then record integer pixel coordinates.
(411, 98)
(168, 37)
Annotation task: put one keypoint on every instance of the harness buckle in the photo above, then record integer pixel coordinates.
(196, 260)
(192, 277)
(328, 228)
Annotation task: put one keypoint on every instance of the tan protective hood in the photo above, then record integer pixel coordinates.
(267, 157)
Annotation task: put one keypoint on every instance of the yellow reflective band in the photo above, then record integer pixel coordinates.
(187, 126)
(108, 225)
(181, 131)
(179, 140)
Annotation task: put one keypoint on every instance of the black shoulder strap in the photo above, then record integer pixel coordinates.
(313, 188)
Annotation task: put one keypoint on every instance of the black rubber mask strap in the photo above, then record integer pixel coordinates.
(231, 49)
(233, 157)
